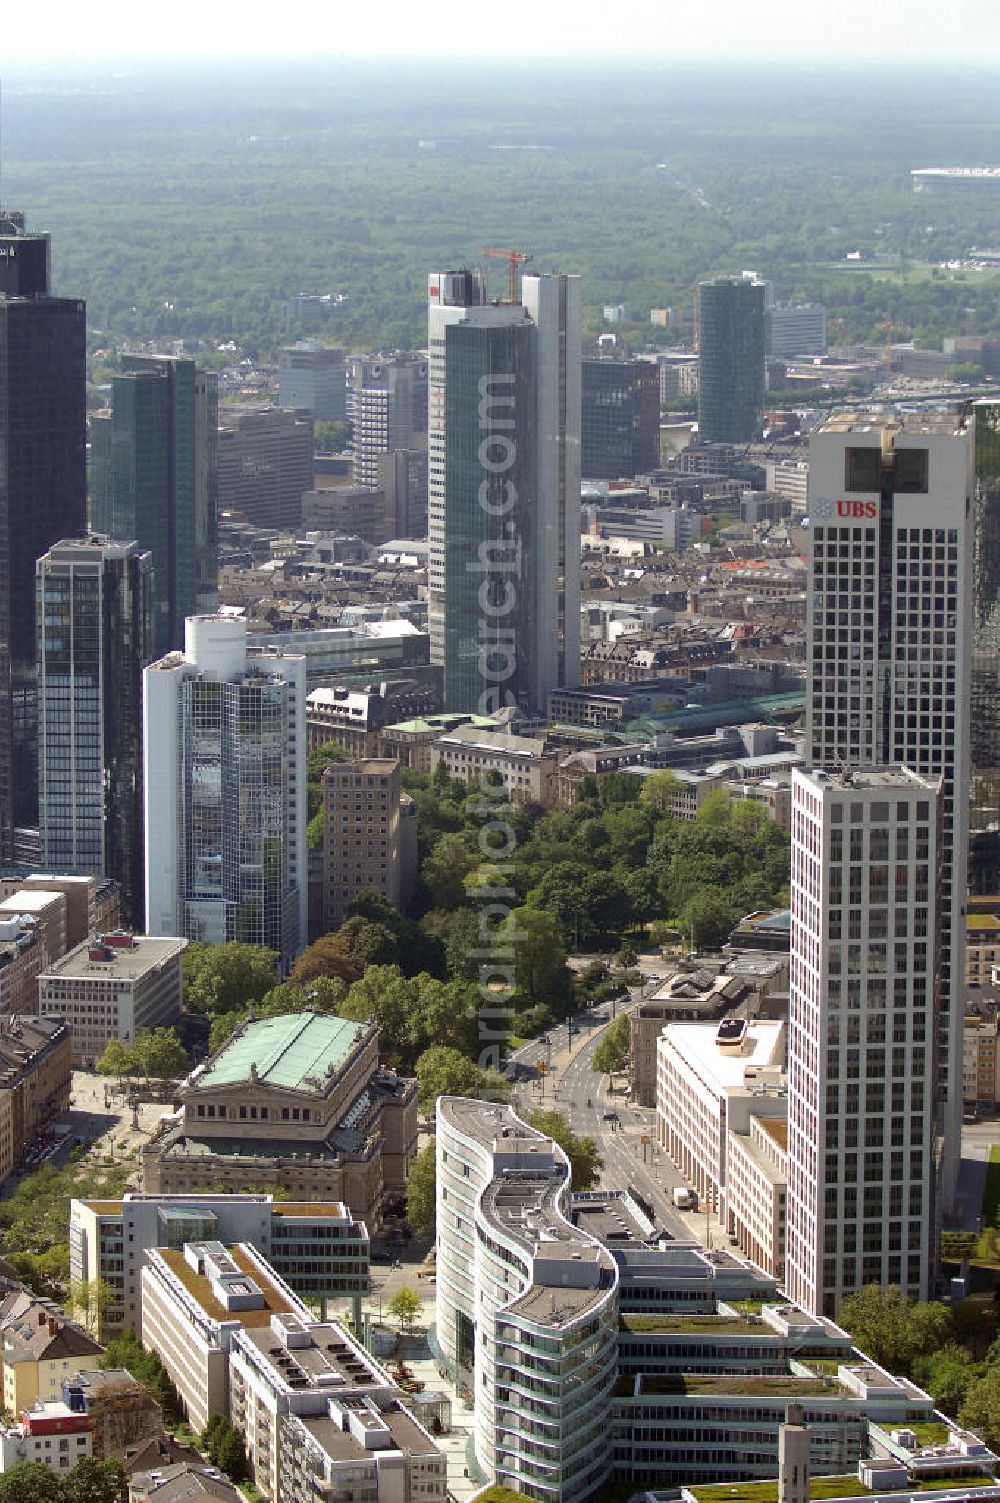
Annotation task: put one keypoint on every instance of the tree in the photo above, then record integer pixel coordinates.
(611, 1052)
(89, 1298)
(162, 1054)
(226, 978)
(981, 1410)
(421, 1192)
(890, 1328)
(92, 1481)
(405, 1306)
(445, 1013)
(708, 917)
(659, 790)
(947, 1375)
(442, 1071)
(540, 970)
(118, 1059)
(444, 871)
(32, 1482)
(231, 1454)
(328, 957)
(585, 1161)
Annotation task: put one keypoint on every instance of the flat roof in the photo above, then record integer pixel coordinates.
(776, 1128)
(298, 1051)
(128, 962)
(721, 1068)
(197, 1285)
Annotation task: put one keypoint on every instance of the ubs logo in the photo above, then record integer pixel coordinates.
(824, 507)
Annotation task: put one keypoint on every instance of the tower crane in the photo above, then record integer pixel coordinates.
(514, 259)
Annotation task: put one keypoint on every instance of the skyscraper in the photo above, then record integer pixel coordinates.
(504, 490)
(311, 377)
(387, 409)
(863, 996)
(889, 622)
(266, 466)
(43, 486)
(984, 811)
(225, 791)
(155, 480)
(730, 360)
(94, 608)
(620, 418)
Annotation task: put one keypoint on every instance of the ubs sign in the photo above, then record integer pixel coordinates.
(853, 511)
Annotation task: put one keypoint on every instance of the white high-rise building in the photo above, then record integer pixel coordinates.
(863, 998)
(889, 643)
(225, 791)
(504, 490)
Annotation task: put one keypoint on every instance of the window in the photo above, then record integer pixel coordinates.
(863, 469)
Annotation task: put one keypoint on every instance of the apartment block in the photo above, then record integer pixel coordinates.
(49, 1434)
(112, 986)
(21, 959)
(40, 1349)
(318, 1248)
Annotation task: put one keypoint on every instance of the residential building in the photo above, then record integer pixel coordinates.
(181, 1482)
(984, 669)
(527, 1304)
(48, 1433)
(504, 489)
(40, 1349)
(361, 835)
(620, 418)
(888, 649)
(154, 481)
(125, 1419)
(979, 1063)
(317, 1247)
(795, 329)
(712, 1078)
(387, 410)
(867, 882)
(265, 464)
(527, 769)
(111, 987)
(35, 1080)
(297, 1102)
(94, 607)
(730, 360)
(311, 378)
(43, 495)
(22, 957)
(225, 789)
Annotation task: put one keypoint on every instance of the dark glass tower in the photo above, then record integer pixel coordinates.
(94, 602)
(620, 419)
(730, 360)
(984, 806)
(43, 487)
(155, 480)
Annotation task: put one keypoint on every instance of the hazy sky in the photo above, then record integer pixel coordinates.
(862, 29)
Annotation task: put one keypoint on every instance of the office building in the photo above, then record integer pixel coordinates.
(154, 481)
(361, 835)
(620, 419)
(526, 768)
(504, 491)
(25, 257)
(527, 1304)
(353, 718)
(889, 628)
(94, 607)
(317, 1246)
(35, 1077)
(43, 492)
(730, 360)
(111, 987)
(862, 1117)
(387, 409)
(984, 745)
(297, 1102)
(63, 909)
(265, 464)
(225, 789)
(311, 378)
(795, 329)
(402, 479)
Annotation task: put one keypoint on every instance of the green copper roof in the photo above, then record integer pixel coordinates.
(297, 1051)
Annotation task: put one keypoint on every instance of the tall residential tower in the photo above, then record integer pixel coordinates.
(504, 490)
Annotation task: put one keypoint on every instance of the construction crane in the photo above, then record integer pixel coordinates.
(886, 328)
(514, 259)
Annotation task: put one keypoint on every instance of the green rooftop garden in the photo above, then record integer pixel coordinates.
(718, 1325)
(828, 1487)
(746, 1384)
(928, 1433)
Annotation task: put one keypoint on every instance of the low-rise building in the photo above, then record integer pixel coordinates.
(112, 987)
(712, 1078)
(22, 956)
(298, 1103)
(35, 1079)
(123, 1414)
(48, 1433)
(698, 993)
(182, 1482)
(757, 1191)
(982, 947)
(526, 768)
(353, 718)
(411, 741)
(40, 1349)
(318, 1248)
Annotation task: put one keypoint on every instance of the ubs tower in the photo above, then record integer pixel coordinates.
(984, 803)
(504, 491)
(43, 486)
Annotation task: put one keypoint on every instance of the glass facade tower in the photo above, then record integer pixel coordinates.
(620, 419)
(155, 479)
(94, 624)
(730, 360)
(984, 808)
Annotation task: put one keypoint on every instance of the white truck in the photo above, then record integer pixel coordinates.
(685, 1199)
